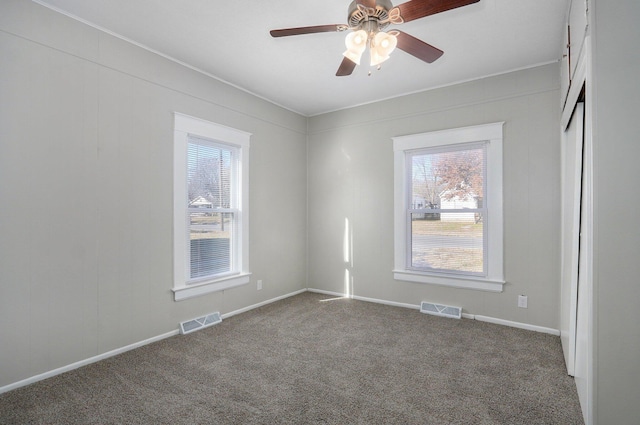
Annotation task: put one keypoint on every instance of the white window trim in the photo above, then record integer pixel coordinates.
(492, 133)
(184, 126)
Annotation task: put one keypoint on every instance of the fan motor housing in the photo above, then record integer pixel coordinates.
(356, 17)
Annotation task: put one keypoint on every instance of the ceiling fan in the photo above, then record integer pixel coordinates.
(368, 18)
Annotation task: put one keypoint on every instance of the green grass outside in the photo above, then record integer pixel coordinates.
(214, 232)
(446, 228)
(468, 260)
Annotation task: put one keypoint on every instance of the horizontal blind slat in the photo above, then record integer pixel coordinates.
(446, 209)
(210, 207)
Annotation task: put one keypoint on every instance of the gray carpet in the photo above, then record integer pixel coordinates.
(312, 359)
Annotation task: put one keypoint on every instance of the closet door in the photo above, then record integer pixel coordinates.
(572, 152)
(583, 348)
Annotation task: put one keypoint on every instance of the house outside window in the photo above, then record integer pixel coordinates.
(448, 207)
(447, 231)
(210, 207)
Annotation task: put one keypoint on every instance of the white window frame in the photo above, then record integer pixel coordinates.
(490, 133)
(183, 286)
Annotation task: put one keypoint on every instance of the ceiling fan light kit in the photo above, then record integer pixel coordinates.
(382, 45)
(356, 43)
(367, 20)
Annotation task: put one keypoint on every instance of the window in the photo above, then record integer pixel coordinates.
(448, 207)
(210, 207)
(446, 193)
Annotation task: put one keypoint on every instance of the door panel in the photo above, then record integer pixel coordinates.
(572, 146)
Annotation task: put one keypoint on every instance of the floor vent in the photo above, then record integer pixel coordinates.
(440, 310)
(200, 323)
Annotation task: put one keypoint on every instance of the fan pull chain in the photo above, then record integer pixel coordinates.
(378, 68)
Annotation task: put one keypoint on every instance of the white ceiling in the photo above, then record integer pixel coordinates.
(230, 40)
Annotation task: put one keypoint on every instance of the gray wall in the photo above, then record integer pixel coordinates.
(351, 177)
(86, 139)
(86, 194)
(616, 140)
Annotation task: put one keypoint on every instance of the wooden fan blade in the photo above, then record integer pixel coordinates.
(416, 9)
(346, 67)
(307, 30)
(417, 47)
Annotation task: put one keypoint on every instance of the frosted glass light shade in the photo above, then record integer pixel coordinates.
(356, 42)
(382, 46)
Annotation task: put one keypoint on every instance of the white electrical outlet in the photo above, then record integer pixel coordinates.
(259, 285)
(522, 301)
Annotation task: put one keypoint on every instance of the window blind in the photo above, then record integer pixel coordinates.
(447, 211)
(211, 207)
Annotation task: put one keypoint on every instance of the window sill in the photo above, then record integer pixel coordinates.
(184, 292)
(480, 284)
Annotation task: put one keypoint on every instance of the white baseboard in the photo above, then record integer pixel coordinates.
(84, 362)
(322, 291)
(272, 300)
(121, 350)
(519, 325)
(488, 319)
(385, 302)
